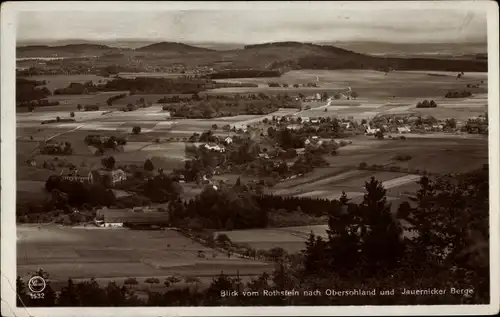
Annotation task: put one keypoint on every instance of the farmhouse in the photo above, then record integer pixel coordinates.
(346, 125)
(76, 175)
(293, 127)
(31, 162)
(315, 97)
(300, 151)
(264, 156)
(404, 129)
(228, 140)
(56, 148)
(371, 130)
(214, 147)
(239, 126)
(112, 176)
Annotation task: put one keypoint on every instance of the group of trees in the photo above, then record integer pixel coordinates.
(115, 98)
(291, 138)
(57, 148)
(160, 188)
(103, 143)
(366, 246)
(176, 99)
(77, 89)
(30, 94)
(458, 94)
(65, 195)
(88, 107)
(427, 104)
(225, 108)
(288, 139)
(142, 85)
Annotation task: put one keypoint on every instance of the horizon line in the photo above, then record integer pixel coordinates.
(25, 42)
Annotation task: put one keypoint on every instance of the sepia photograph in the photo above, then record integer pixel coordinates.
(212, 158)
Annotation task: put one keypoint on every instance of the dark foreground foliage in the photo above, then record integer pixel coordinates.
(363, 251)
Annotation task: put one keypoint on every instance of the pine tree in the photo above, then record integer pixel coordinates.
(343, 198)
(22, 298)
(314, 255)
(343, 245)
(68, 295)
(382, 245)
(148, 165)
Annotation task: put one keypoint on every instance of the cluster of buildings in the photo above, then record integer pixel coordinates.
(214, 147)
(87, 176)
(56, 148)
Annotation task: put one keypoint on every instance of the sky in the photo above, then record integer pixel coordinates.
(306, 23)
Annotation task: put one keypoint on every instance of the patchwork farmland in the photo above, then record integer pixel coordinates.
(119, 254)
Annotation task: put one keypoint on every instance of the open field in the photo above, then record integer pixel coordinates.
(367, 83)
(292, 239)
(119, 253)
(62, 81)
(442, 156)
(366, 107)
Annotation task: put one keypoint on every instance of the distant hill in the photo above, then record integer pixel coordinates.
(63, 50)
(277, 56)
(296, 55)
(172, 47)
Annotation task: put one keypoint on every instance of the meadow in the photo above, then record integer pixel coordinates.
(116, 254)
(366, 83)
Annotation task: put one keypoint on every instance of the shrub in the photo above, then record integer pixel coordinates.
(362, 165)
(72, 114)
(136, 130)
(131, 281)
(402, 157)
(222, 239)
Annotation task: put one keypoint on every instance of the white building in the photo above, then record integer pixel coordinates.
(404, 130)
(346, 125)
(293, 127)
(371, 130)
(114, 176)
(77, 176)
(300, 151)
(228, 140)
(215, 148)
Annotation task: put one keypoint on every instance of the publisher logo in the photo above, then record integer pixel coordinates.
(36, 284)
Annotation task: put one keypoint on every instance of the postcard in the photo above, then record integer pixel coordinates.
(250, 158)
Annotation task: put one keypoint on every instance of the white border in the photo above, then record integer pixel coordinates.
(8, 171)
